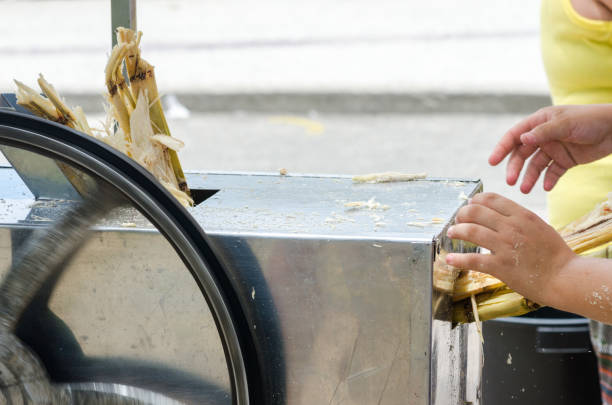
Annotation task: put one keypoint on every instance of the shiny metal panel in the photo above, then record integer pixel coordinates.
(340, 301)
(351, 316)
(130, 305)
(42, 175)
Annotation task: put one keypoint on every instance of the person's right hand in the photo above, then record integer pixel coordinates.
(526, 253)
(556, 139)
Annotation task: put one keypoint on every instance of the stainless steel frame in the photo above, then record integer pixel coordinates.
(339, 303)
(62, 352)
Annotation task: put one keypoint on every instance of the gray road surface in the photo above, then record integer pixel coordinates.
(237, 46)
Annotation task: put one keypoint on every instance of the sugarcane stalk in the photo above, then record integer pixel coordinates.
(131, 40)
(142, 78)
(57, 102)
(144, 134)
(590, 238)
(472, 282)
(81, 121)
(501, 302)
(115, 82)
(493, 296)
(444, 275)
(29, 98)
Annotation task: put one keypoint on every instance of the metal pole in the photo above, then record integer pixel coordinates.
(123, 14)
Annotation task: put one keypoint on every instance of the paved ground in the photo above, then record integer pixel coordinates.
(389, 46)
(380, 56)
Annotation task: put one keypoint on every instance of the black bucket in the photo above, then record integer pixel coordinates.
(544, 357)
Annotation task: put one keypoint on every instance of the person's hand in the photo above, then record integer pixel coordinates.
(556, 139)
(526, 253)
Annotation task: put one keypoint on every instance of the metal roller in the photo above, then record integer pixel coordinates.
(109, 181)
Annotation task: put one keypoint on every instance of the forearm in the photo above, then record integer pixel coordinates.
(583, 287)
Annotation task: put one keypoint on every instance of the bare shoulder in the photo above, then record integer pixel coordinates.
(594, 9)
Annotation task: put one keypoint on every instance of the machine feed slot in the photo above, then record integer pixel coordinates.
(201, 195)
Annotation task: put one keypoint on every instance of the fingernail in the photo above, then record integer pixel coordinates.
(527, 138)
(450, 258)
(450, 231)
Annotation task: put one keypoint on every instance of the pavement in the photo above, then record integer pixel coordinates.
(235, 46)
(319, 87)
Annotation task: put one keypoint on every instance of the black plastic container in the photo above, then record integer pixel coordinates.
(542, 358)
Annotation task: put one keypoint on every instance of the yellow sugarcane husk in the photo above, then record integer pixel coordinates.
(472, 282)
(29, 98)
(591, 237)
(131, 40)
(444, 275)
(81, 121)
(143, 132)
(145, 79)
(502, 302)
(58, 103)
(142, 78)
(115, 84)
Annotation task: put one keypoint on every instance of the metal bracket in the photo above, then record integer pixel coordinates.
(123, 14)
(41, 175)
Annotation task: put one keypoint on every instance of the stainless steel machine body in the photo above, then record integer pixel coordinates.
(309, 301)
(340, 301)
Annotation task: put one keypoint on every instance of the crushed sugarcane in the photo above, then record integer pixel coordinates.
(501, 302)
(371, 204)
(444, 275)
(388, 177)
(494, 299)
(134, 106)
(476, 317)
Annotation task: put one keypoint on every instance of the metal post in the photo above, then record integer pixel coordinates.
(123, 14)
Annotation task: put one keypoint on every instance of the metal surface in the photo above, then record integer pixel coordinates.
(59, 348)
(545, 358)
(111, 394)
(42, 176)
(340, 308)
(40, 261)
(123, 14)
(338, 303)
(346, 292)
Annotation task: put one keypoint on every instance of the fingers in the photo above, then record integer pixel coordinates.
(555, 159)
(555, 130)
(498, 203)
(537, 164)
(553, 173)
(474, 261)
(475, 233)
(481, 215)
(516, 162)
(511, 139)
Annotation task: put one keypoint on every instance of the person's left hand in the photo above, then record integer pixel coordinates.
(553, 140)
(526, 253)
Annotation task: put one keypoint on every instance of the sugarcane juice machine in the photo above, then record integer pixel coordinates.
(272, 289)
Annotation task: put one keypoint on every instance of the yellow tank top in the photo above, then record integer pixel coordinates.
(577, 55)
